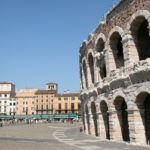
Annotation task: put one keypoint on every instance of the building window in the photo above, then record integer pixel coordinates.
(10, 104)
(66, 106)
(59, 98)
(72, 106)
(5, 95)
(42, 107)
(65, 98)
(59, 106)
(32, 103)
(36, 107)
(79, 106)
(24, 109)
(4, 108)
(72, 98)
(46, 107)
(14, 104)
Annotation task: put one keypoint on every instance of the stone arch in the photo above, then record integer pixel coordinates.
(116, 50)
(143, 104)
(121, 94)
(91, 66)
(94, 115)
(139, 28)
(100, 47)
(84, 67)
(122, 114)
(100, 42)
(105, 130)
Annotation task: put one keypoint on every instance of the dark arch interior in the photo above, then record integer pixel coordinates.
(93, 109)
(117, 49)
(91, 65)
(81, 77)
(85, 74)
(103, 70)
(143, 103)
(87, 117)
(122, 113)
(104, 110)
(147, 118)
(140, 33)
(100, 45)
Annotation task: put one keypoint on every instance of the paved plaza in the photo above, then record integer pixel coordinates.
(54, 136)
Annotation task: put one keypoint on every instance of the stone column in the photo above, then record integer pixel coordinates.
(131, 55)
(91, 125)
(102, 127)
(137, 135)
(110, 61)
(98, 124)
(86, 124)
(96, 72)
(115, 128)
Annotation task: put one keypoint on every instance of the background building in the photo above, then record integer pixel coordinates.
(45, 98)
(7, 98)
(115, 75)
(26, 102)
(67, 103)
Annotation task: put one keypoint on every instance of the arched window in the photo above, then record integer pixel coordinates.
(85, 73)
(140, 33)
(100, 45)
(91, 65)
(121, 109)
(93, 110)
(117, 49)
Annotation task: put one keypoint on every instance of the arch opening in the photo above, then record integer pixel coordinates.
(141, 37)
(91, 65)
(100, 45)
(81, 78)
(105, 115)
(121, 109)
(103, 70)
(143, 103)
(117, 49)
(85, 74)
(93, 110)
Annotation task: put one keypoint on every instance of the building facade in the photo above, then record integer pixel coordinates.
(67, 103)
(25, 99)
(45, 98)
(7, 98)
(115, 75)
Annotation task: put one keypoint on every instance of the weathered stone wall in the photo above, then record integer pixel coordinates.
(115, 76)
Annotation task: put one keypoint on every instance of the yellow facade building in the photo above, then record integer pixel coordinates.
(67, 103)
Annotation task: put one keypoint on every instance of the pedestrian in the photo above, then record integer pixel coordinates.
(81, 129)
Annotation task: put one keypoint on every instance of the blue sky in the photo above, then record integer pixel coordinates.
(40, 40)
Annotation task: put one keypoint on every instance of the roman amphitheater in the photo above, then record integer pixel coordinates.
(115, 75)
